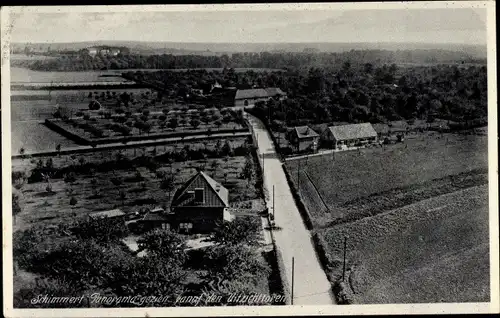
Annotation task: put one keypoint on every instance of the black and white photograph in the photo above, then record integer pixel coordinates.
(204, 160)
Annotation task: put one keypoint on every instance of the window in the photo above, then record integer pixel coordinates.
(186, 226)
(198, 195)
(165, 226)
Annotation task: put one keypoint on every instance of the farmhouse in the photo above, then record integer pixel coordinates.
(303, 138)
(348, 135)
(200, 204)
(110, 214)
(245, 97)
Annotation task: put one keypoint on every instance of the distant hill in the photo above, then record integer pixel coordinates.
(179, 48)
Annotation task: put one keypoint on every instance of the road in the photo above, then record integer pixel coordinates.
(311, 286)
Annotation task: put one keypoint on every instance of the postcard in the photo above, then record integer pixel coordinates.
(250, 159)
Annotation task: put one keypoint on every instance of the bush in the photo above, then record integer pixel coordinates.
(343, 293)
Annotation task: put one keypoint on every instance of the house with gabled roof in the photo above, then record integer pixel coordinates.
(343, 136)
(246, 97)
(199, 205)
(303, 138)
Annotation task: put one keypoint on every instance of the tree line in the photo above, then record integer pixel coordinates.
(353, 93)
(287, 60)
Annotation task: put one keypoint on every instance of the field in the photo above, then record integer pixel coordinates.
(23, 57)
(435, 250)
(21, 75)
(415, 215)
(34, 136)
(94, 191)
(344, 177)
(152, 124)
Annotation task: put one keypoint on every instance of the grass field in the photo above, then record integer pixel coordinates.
(435, 250)
(24, 75)
(41, 207)
(343, 177)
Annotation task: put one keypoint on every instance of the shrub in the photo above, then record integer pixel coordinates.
(343, 293)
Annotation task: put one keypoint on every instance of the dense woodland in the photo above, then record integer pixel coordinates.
(354, 93)
(282, 60)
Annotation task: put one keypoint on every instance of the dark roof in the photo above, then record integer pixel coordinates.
(304, 132)
(381, 128)
(273, 91)
(251, 93)
(155, 217)
(354, 131)
(215, 195)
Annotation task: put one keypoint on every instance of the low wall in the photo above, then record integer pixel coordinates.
(66, 133)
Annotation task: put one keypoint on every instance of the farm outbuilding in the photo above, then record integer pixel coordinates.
(246, 97)
(338, 137)
(110, 214)
(303, 138)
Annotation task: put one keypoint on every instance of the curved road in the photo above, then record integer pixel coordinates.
(311, 286)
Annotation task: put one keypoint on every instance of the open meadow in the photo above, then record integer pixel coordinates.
(435, 250)
(19, 75)
(331, 184)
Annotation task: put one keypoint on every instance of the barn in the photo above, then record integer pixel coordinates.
(339, 137)
(248, 97)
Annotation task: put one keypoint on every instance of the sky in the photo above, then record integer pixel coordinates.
(449, 25)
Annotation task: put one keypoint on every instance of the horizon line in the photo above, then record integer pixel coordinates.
(316, 42)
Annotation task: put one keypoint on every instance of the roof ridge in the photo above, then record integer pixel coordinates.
(207, 179)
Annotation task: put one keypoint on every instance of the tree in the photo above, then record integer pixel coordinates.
(168, 183)
(94, 105)
(227, 150)
(172, 123)
(102, 231)
(218, 123)
(240, 230)
(247, 171)
(58, 149)
(234, 262)
(195, 123)
(164, 244)
(16, 206)
(123, 196)
(73, 201)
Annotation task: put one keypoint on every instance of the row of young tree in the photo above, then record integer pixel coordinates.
(151, 160)
(244, 60)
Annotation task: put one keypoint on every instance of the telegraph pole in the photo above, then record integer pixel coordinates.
(293, 278)
(263, 163)
(345, 249)
(274, 211)
(298, 177)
